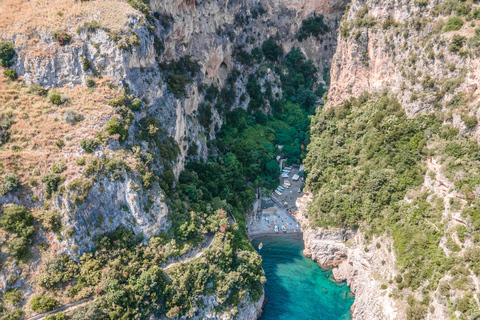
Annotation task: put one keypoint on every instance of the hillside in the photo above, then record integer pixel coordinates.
(393, 162)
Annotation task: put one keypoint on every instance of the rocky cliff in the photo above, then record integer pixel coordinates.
(423, 54)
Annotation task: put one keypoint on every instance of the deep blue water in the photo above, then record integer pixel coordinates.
(296, 287)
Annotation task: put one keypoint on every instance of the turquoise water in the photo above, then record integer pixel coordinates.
(296, 287)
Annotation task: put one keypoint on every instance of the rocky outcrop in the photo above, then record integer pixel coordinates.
(326, 247)
(362, 265)
(366, 266)
(109, 205)
(246, 310)
(382, 46)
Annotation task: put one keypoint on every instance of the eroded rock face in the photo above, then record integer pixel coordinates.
(326, 247)
(363, 265)
(401, 60)
(109, 205)
(246, 310)
(363, 270)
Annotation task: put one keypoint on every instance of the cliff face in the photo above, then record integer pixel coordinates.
(364, 266)
(424, 54)
(405, 48)
(364, 272)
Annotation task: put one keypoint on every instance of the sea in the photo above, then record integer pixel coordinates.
(297, 288)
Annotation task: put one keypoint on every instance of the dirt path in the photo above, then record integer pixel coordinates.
(191, 255)
(67, 307)
(183, 259)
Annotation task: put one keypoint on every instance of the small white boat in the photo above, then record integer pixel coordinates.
(284, 229)
(276, 229)
(260, 246)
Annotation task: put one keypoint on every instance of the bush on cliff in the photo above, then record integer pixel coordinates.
(7, 52)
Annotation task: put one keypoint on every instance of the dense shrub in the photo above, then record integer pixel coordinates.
(62, 37)
(469, 121)
(18, 220)
(79, 189)
(6, 121)
(55, 98)
(312, 26)
(87, 65)
(181, 73)
(205, 115)
(89, 145)
(136, 104)
(7, 52)
(42, 303)
(71, 117)
(10, 74)
(38, 90)
(18, 247)
(271, 50)
(453, 23)
(89, 82)
(59, 167)
(51, 181)
(11, 182)
(59, 316)
(457, 43)
(51, 220)
(114, 126)
(12, 296)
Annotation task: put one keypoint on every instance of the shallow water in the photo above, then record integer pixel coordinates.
(296, 287)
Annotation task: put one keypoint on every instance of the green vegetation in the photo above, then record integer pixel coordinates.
(457, 43)
(51, 181)
(122, 275)
(59, 167)
(313, 26)
(179, 74)
(271, 50)
(12, 296)
(366, 157)
(10, 74)
(11, 183)
(469, 121)
(252, 136)
(89, 145)
(6, 121)
(55, 98)
(19, 221)
(7, 52)
(363, 19)
(42, 303)
(62, 37)
(114, 126)
(453, 24)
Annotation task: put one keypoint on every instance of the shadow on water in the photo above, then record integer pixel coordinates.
(296, 287)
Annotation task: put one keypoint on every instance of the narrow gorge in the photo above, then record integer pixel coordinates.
(137, 137)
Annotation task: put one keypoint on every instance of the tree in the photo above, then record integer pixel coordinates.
(7, 52)
(17, 219)
(271, 50)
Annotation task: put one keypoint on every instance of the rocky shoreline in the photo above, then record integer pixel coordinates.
(366, 266)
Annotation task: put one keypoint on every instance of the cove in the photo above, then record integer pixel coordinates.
(297, 288)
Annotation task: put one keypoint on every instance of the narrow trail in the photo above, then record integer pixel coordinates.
(67, 307)
(192, 254)
(182, 259)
